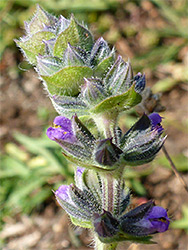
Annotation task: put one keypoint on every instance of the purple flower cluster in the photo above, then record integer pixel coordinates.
(138, 146)
(141, 221)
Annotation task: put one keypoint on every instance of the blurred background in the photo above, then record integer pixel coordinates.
(153, 34)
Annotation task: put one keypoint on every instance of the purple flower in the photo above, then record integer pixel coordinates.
(62, 130)
(80, 204)
(156, 122)
(158, 219)
(63, 193)
(144, 220)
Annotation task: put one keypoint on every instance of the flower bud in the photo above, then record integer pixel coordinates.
(99, 51)
(74, 138)
(93, 91)
(106, 226)
(72, 57)
(47, 65)
(143, 141)
(107, 153)
(120, 76)
(140, 82)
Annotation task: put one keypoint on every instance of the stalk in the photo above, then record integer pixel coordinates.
(106, 123)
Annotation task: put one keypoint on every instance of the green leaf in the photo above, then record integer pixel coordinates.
(76, 35)
(68, 80)
(102, 68)
(34, 46)
(183, 222)
(138, 187)
(14, 151)
(120, 102)
(36, 148)
(40, 18)
(180, 161)
(48, 65)
(85, 224)
(12, 167)
(22, 191)
(164, 85)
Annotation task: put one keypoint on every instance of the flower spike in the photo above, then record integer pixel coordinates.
(89, 87)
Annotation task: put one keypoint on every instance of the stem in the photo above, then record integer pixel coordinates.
(104, 246)
(106, 123)
(175, 169)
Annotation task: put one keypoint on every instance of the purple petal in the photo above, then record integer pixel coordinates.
(156, 119)
(159, 219)
(63, 193)
(62, 130)
(156, 221)
(64, 122)
(157, 212)
(79, 171)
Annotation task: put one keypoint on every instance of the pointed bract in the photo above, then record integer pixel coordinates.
(107, 153)
(142, 142)
(106, 226)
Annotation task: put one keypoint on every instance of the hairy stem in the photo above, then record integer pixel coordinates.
(106, 123)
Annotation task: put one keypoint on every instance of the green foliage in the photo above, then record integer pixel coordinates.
(37, 163)
(35, 46)
(119, 102)
(183, 222)
(180, 161)
(69, 85)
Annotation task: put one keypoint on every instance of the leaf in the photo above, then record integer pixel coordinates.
(68, 80)
(180, 160)
(164, 85)
(183, 222)
(120, 102)
(138, 187)
(13, 150)
(84, 224)
(102, 68)
(12, 167)
(22, 191)
(40, 18)
(48, 65)
(34, 46)
(76, 35)
(35, 148)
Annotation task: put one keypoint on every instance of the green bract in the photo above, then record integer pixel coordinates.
(80, 75)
